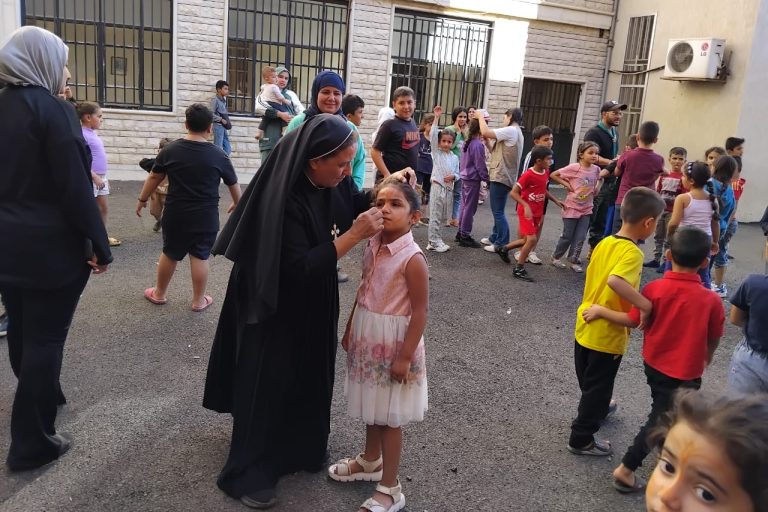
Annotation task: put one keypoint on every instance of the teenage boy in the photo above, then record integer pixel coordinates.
(612, 281)
(669, 187)
(529, 192)
(640, 167)
(194, 169)
(352, 106)
(542, 136)
(679, 342)
(397, 141)
(221, 122)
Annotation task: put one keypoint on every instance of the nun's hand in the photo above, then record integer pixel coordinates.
(367, 224)
(406, 175)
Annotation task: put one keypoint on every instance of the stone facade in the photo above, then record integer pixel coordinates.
(557, 39)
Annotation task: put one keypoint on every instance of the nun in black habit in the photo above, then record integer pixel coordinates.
(273, 358)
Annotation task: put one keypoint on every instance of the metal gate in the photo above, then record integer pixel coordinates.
(444, 60)
(554, 104)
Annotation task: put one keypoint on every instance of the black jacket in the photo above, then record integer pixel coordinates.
(49, 221)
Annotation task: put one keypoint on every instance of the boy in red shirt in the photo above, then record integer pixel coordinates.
(669, 186)
(685, 328)
(530, 192)
(639, 167)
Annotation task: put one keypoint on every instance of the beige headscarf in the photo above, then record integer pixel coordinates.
(34, 56)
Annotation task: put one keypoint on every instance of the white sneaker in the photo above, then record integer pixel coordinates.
(557, 263)
(534, 258)
(577, 268)
(490, 248)
(485, 241)
(438, 248)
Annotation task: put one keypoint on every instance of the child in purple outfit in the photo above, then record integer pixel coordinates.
(474, 171)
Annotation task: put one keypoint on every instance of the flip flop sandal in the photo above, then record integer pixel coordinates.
(342, 470)
(623, 488)
(399, 500)
(149, 294)
(595, 449)
(208, 301)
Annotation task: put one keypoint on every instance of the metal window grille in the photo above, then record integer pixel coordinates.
(632, 87)
(306, 36)
(119, 50)
(444, 60)
(554, 104)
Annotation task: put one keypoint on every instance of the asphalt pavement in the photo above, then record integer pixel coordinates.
(502, 390)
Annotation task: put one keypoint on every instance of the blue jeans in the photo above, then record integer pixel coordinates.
(221, 138)
(456, 200)
(499, 193)
(749, 371)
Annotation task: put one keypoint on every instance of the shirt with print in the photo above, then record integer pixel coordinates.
(613, 256)
(639, 168)
(533, 190)
(752, 298)
(425, 156)
(669, 187)
(583, 181)
(738, 187)
(686, 317)
(398, 140)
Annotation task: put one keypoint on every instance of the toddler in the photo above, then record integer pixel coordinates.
(157, 199)
(445, 173)
(386, 384)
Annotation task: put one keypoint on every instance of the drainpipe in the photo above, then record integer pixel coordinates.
(611, 44)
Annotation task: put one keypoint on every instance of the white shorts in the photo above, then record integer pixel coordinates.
(104, 191)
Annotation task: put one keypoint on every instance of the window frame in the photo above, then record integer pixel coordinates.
(285, 44)
(634, 72)
(141, 45)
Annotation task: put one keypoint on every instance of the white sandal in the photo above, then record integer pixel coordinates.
(399, 499)
(342, 471)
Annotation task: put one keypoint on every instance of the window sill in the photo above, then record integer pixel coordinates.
(158, 113)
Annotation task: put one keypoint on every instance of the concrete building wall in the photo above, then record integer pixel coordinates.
(697, 115)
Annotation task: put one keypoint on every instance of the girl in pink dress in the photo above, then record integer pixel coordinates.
(386, 383)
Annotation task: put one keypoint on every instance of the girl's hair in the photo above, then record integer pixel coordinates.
(515, 116)
(446, 133)
(725, 168)
(698, 174)
(425, 120)
(717, 149)
(408, 191)
(456, 112)
(737, 423)
(85, 108)
(583, 147)
(474, 132)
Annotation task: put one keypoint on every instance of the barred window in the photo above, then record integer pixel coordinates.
(635, 77)
(305, 36)
(444, 60)
(119, 50)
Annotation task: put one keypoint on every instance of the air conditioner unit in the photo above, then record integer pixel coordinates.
(695, 58)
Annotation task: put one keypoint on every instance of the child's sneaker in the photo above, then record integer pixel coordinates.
(438, 247)
(489, 248)
(721, 290)
(486, 241)
(533, 258)
(557, 263)
(577, 268)
(503, 253)
(595, 448)
(522, 274)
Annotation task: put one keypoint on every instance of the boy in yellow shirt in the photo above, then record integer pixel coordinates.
(612, 281)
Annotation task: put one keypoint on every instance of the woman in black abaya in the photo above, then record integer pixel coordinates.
(272, 361)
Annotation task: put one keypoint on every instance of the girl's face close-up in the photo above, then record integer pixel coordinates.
(695, 474)
(446, 143)
(396, 210)
(329, 100)
(590, 155)
(461, 120)
(93, 121)
(712, 156)
(328, 172)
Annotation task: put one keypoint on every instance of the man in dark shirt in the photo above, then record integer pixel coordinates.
(605, 135)
(397, 142)
(190, 220)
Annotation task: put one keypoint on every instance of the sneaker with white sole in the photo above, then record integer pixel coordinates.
(485, 241)
(721, 290)
(489, 248)
(577, 268)
(534, 258)
(438, 247)
(558, 263)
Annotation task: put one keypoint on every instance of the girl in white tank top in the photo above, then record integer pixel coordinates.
(697, 208)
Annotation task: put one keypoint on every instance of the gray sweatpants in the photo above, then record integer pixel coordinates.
(574, 234)
(440, 203)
